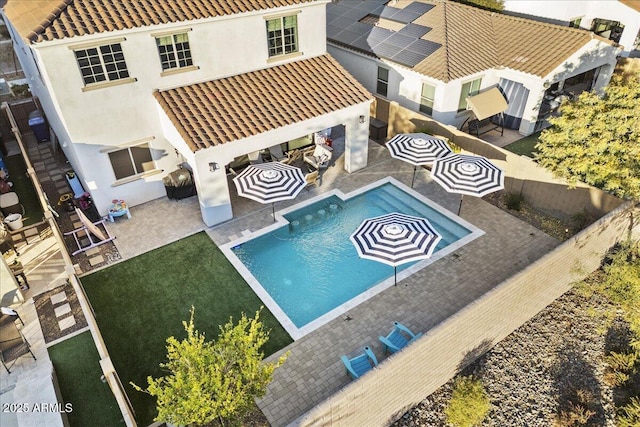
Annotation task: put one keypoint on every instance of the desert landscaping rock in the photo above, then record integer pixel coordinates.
(536, 371)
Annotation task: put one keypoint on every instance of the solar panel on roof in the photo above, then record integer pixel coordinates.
(404, 16)
(332, 30)
(400, 40)
(424, 46)
(362, 44)
(408, 58)
(388, 12)
(355, 14)
(342, 22)
(346, 36)
(360, 27)
(385, 50)
(379, 34)
(337, 9)
(419, 8)
(414, 30)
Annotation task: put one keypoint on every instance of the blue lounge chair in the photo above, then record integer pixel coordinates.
(400, 337)
(360, 364)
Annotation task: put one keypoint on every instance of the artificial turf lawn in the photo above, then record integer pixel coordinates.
(78, 371)
(140, 302)
(23, 187)
(524, 146)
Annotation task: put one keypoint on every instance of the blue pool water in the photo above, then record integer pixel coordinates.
(310, 266)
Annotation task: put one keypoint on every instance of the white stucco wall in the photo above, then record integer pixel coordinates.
(568, 10)
(86, 122)
(405, 85)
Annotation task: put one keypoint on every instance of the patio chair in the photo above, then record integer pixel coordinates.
(359, 365)
(12, 349)
(320, 156)
(276, 153)
(398, 338)
(11, 314)
(312, 178)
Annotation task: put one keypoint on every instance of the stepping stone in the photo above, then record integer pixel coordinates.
(96, 260)
(58, 298)
(77, 224)
(92, 251)
(31, 232)
(56, 177)
(66, 323)
(62, 310)
(44, 178)
(74, 217)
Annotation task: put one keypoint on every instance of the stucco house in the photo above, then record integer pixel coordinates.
(617, 20)
(430, 55)
(133, 88)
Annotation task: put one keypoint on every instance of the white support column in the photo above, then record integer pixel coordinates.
(213, 192)
(531, 109)
(356, 142)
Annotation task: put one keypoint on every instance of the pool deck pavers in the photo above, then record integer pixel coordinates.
(313, 371)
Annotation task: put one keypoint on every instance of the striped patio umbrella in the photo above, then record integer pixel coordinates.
(395, 239)
(417, 149)
(467, 175)
(270, 182)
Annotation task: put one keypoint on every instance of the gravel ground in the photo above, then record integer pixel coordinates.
(551, 362)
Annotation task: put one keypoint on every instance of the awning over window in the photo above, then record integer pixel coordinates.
(487, 104)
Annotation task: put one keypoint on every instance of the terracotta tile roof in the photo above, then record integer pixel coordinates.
(633, 4)
(473, 40)
(219, 111)
(41, 20)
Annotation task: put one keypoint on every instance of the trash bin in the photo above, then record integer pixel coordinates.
(377, 129)
(14, 221)
(39, 126)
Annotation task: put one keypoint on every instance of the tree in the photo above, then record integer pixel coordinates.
(596, 140)
(213, 380)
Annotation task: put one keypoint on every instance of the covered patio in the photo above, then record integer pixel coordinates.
(212, 124)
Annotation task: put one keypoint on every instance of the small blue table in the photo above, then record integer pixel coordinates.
(119, 209)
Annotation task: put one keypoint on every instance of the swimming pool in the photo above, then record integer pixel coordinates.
(306, 270)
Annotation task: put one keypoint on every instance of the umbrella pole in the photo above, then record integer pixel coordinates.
(460, 206)
(395, 276)
(273, 211)
(414, 175)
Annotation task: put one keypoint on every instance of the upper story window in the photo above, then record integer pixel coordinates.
(608, 29)
(131, 161)
(282, 35)
(426, 98)
(468, 89)
(102, 63)
(575, 23)
(383, 81)
(174, 51)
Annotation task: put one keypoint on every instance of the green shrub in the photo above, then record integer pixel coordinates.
(469, 403)
(630, 414)
(513, 201)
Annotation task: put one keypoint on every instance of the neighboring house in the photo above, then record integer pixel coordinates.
(430, 56)
(132, 89)
(616, 20)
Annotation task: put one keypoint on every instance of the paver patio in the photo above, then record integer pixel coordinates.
(313, 370)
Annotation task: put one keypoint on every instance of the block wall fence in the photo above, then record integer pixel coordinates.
(535, 184)
(402, 380)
